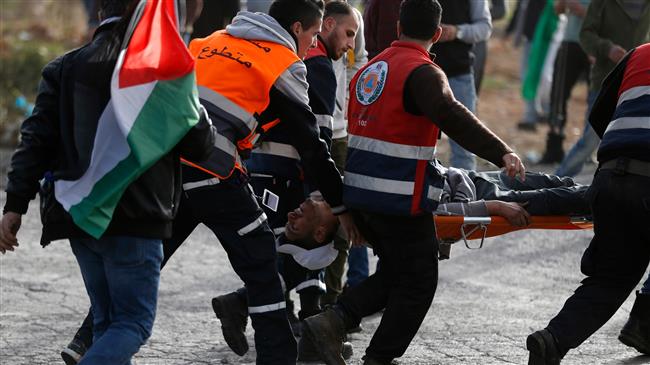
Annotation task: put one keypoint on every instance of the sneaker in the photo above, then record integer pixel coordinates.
(636, 332)
(543, 349)
(327, 332)
(233, 314)
(72, 353)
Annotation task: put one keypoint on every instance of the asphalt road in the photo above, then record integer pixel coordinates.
(486, 304)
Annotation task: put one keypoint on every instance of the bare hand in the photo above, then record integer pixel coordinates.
(616, 53)
(513, 212)
(513, 166)
(9, 225)
(448, 33)
(351, 230)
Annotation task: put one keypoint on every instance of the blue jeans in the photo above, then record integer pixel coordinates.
(465, 92)
(358, 269)
(121, 275)
(646, 286)
(584, 148)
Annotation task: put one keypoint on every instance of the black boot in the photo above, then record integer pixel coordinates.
(327, 332)
(543, 349)
(636, 332)
(307, 352)
(232, 311)
(554, 152)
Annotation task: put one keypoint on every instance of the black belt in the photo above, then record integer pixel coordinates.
(622, 166)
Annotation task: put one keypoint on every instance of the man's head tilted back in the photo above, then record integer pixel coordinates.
(312, 224)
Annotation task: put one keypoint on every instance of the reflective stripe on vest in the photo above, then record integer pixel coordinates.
(278, 149)
(249, 123)
(629, 123)
(379, 184)
(391, 149)
(234, 78)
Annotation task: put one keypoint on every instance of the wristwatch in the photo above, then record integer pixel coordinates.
(459, 33)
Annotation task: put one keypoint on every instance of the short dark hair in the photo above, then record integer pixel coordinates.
(337, 9)
(420, 19)
(110, 8)
(287, 12)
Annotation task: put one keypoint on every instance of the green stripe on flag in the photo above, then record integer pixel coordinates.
(169, 113)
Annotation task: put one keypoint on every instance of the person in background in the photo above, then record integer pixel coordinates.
(498, 10)
(380, 21)
(216, 15)
(522, 26)
(464, 23)
(344, 69)
(255, 6)
(571, 63)
(610, 28)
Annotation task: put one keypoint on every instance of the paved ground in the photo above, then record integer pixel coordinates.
(487, 302)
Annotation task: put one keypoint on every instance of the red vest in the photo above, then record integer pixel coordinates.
(390, 166)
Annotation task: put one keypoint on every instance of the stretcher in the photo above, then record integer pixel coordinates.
(451, 229)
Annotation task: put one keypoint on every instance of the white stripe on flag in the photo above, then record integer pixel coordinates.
(131, 99)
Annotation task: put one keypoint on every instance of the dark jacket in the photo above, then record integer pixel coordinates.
(57, 142)
(380, 25)
(605, 24)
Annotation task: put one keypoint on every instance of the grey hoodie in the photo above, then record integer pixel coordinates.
(263, 27)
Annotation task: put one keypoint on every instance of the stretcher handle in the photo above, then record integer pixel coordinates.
(475, 226)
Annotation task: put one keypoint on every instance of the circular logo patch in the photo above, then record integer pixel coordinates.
(371, 83)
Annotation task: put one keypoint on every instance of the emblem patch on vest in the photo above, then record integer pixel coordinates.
(371, 83)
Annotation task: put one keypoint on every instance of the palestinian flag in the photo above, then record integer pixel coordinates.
(154, 103)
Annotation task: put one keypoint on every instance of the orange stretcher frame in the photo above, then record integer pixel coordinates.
(450, 229)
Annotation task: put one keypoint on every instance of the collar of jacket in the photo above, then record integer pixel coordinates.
(413, 45)
(106, 25)
(320, 50)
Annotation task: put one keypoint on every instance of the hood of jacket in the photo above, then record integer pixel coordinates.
(261, 27)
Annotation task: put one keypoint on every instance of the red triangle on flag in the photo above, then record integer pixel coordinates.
(156, 50)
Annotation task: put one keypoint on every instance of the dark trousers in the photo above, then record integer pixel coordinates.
(543, 194)
(404, 284)
(615, 260)
(570, 63)
(230, 209)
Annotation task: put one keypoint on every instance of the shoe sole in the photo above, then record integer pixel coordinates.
(238, 346)
(311, 335)
(70, 357)
(634, 342)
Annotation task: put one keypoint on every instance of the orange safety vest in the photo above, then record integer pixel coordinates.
(234, 78)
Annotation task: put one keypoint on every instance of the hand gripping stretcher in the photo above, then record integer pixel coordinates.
(450, 229)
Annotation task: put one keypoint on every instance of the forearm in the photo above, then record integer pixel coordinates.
(477, 208)
(480, 27)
